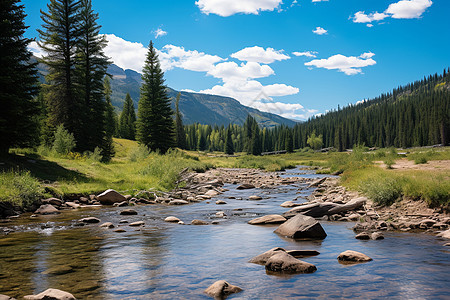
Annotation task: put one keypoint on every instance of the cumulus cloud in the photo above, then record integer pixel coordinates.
(319, 0)
(260, 55)
(231, 71)
(306, 53)
(226, 8)
(35, 49)
(404, 9)
(320, 31)
(159, 32)
(125, 54)
(177, 57)
(350, 65)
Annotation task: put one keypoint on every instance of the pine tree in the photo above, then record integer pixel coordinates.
(18, 81)
(181, 135)
(229, 148)
(256, 139)
(127, 122)
(59, 39)
(91, 65)
(155, 128)
(107, 146)
(289, 142)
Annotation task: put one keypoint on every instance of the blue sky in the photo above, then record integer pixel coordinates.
(307, 56)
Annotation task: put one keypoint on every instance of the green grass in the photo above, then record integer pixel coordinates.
(20, 188)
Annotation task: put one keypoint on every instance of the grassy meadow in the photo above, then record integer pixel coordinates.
(27, 175)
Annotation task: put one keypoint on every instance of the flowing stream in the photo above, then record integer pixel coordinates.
(171, 261)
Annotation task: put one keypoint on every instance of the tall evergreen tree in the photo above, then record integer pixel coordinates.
(107, 147)
(289, 142)
(59, 39)
(229, 148)
(91, 65)
(155, 126)
(18, 81)
(127, 121)
(180, 133)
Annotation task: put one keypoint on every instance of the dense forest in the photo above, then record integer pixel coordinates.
(413, 115)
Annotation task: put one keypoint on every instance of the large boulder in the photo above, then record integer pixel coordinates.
(264, 257)
(51, 294)
(109, 197)
(220, 289)
(353, 256)
(269, 219)
(300, 227)
(46, 209)
(285, 263)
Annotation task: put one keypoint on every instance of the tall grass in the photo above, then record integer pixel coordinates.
(20, 188)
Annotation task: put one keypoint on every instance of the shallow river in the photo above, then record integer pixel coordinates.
(171, 261)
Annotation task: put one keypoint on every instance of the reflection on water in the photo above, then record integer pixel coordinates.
(171, 261)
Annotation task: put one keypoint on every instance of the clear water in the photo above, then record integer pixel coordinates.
(171, 261)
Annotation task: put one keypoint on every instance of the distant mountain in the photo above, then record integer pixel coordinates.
(194, 107)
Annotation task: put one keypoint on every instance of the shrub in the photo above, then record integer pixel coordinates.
(383, 190)
(139, 153)
(389, 161)
(420, 159)
(64, 141)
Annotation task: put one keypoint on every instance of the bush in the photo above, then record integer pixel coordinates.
(139, 153)
(64, 141)
(420, 159)
(383, 190)
(20, 188)
(389, 161)
(95, 156)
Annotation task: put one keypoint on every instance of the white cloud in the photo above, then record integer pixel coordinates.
(259, 55)
(35, 49)
(177, 57)
(319, 0)
(350, 65)
(408, 9)
(231, 71)
(226, 8)
(306, 53)
(159, 32)
(404, 9)
(320, 31)
(125, 54)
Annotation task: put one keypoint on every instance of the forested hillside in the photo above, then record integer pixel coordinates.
(413, 115)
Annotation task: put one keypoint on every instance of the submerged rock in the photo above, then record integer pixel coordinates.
(221, 289)
(51, 294)
(269, 219)
(220, 202)
(107, 225)
(89, 220)
(286, 263)
(110, 197)
(199, 222)
(353, 256)
(300, 227)
(245, 186)
(128, 212)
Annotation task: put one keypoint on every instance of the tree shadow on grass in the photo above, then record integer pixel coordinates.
(42, 169)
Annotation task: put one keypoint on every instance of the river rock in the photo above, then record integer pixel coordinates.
(121, 204)
(320, 209)
(286, 263)
(445, 234)
(353, 217)
(221, 214)
(300, 227)
(245, 186)
(269, 219)
(264, 257)
(110, 197)
(58, 270)
(138, 223)
(353, 256)
(220, 202)
(212, 193)
(46, 209)
(178, 202)
(52, 201)
(72, 204)
(303, 253)
(107, 225)
(172, 219)
(128, 212)
(4, 297)
(51, 294)
(290, 204)
(427, 223)
(317, 182)
(362, 236)
(377, 236)
(198, 222)
(89, 220)
(220, 289)
(120, 230)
